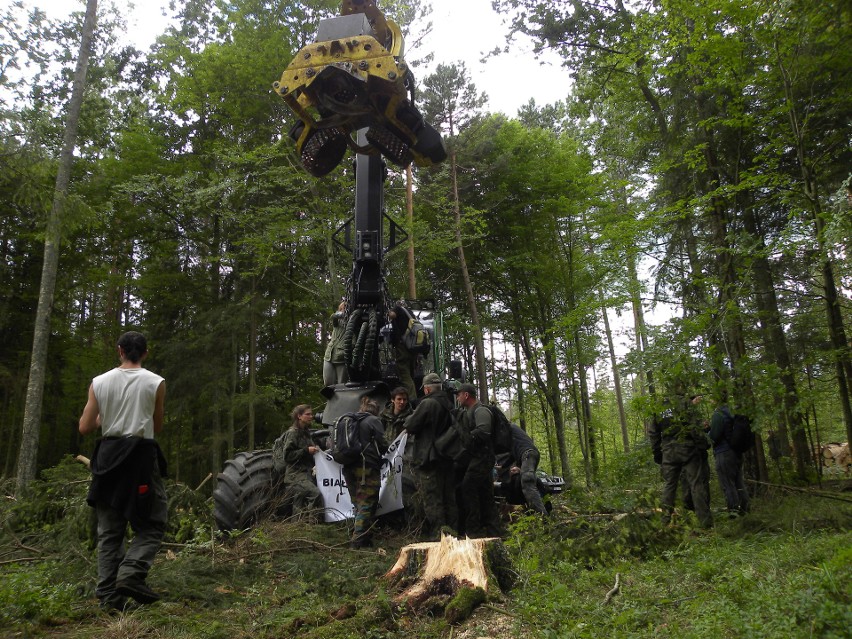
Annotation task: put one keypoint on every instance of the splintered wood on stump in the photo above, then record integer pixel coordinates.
(451, 573)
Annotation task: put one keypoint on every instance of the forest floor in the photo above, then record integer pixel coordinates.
(785, 570)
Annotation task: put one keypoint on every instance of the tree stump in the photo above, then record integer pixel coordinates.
(451, 576)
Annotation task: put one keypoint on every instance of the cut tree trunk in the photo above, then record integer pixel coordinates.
(452, 576)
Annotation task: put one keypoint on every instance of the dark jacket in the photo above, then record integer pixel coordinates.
(400, 323)
(718, 422)
(476, 422)
(475, 428)
(521, 443)
(429, 420)
(371, 430)
(122, 475)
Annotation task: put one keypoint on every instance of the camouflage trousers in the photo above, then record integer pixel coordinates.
(435, 496)
(686, 458)
(303, 494)
(363, 485)
(478, 510)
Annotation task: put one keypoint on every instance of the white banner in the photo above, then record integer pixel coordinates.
(332, 485)
(390, 492)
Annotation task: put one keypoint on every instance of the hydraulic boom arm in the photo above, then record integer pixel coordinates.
(351, 88)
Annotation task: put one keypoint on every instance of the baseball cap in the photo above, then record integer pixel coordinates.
(431, 378)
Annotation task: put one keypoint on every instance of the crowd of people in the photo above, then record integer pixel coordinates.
(680, 440)
(442, 492)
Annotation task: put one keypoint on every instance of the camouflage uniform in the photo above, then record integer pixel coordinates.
(394, 424)
(290, 452)
(334, 363)
(405, 361)
(683, 444)
(433, 477)
(476, 497)
(363, 477)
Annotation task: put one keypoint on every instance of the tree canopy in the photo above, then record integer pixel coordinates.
(693, 186)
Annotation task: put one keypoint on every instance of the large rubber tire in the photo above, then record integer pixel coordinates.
(244, 490)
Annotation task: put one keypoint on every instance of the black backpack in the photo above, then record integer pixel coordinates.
(738, 432)
(501, 431)
(347, 442)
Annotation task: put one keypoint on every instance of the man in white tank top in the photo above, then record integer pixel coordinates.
(127, 404)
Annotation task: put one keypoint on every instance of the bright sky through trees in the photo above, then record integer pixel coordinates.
(462, 31)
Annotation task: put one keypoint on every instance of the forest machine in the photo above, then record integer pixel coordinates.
(350, 89)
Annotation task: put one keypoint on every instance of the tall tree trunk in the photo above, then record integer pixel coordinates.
(519, 382)
(409, 215)
(616, 379)
(585, 414)
(494, 378)
(836, 330)
(252, 362)
(478, 342)
(729, 285)
(640, 332)
(582, 432)
(28, 456)
(235, 378)
(549, 388)
(769, 317)
(645, 375)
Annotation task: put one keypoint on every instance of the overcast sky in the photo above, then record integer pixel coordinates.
(463, 30)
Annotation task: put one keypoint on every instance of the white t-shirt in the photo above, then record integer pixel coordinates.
(126, 399)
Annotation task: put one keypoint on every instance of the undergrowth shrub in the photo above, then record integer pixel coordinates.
(35, 593)
(632, 469)
(52, 512)
(190, 515)
(600, 530)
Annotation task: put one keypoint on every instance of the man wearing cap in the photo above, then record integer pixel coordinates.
(432, 475)
(477, 484)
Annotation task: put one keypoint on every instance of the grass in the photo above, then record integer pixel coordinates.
(783, 571)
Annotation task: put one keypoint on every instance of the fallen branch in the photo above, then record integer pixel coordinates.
(500, 610)
(21, 560)
(20, 544)
(206, 479)
(615, 589)
(84, 460)
(644, 512)
(809, 491)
